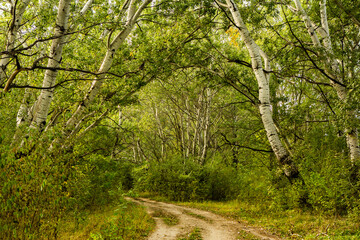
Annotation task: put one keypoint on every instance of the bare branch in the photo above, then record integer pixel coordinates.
(242, 146)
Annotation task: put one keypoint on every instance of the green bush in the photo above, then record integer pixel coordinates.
(103, 179)
(129, 221)
(38, 187)
(328, 184)
(176, 179)
(184, 179)
(33, 194)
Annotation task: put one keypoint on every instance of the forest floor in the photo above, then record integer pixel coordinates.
(179, 222)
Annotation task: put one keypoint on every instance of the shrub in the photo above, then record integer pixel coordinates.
(129, 221)
(184, 179)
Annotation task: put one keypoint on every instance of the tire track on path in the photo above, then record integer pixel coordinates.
(212, 226)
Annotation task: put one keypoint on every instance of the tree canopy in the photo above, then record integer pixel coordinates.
(190, 99)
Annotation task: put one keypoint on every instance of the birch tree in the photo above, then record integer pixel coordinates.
(133, 15)
(42, 106)
(256, 54)
(332, 69)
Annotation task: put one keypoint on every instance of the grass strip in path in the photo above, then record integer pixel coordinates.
(168, 218)
(193, 235)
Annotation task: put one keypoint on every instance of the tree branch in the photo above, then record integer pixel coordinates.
(242, 146)
(309, 57)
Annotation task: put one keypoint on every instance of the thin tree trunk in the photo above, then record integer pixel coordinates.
(188, 146)
(206, 126)
(43, 104)
(333, 71)
(280, 151)
(160, 131)
(22, 118)
(197, 127)
(182, 132)
(22, 115)
(107, 62)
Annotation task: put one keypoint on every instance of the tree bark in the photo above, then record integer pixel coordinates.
(196, 137)
(283, 156)
(107, 62)
(206, 128)
(160, 131)
(333, 70)
(45, 97)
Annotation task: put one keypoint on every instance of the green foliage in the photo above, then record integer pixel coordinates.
(184, 179)
(38, 189)
(34, 195)
(104, 179)
(328, 178)
(243, 234)
(159, 82)
(129, 221)
(176, 179)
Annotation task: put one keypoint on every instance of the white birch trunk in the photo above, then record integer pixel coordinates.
(54, 61)
(187, 127)
(264, 94)
(86, 7)
(197, 127)
(182, 134)
(22, 115)
(44, 100)
(160, 131)
(334, 71)
(206, 126)
(107, 61)
(11, 38)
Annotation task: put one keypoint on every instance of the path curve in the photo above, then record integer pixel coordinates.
(212, 226)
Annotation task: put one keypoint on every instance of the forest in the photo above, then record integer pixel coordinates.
(250, 103)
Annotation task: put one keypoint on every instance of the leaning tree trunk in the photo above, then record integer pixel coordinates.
(106, 63)
(11, 37)
(50, 75)
(283, 156)
(43, 103)
(333, 70)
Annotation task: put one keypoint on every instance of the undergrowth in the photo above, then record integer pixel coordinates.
(124, 221)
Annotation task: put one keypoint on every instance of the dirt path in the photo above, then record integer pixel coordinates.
(211, 226)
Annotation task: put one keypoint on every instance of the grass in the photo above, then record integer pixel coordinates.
(125, 220)
(244, 235)
(289, 224)
(197, 216)
(193, 235)
(168, 218)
